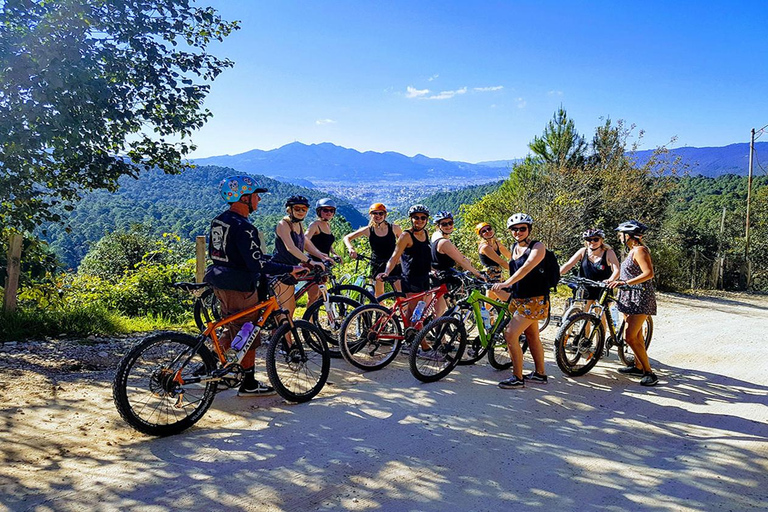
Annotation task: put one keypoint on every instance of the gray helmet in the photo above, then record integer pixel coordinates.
(519, 218)
(418, 208)
(442, 215)
(325, 202)
(590, 233)
(632, 227)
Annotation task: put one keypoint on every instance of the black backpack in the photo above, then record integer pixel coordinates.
(549, 267)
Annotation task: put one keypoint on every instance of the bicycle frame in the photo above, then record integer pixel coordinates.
(400, 303)
(474, 299)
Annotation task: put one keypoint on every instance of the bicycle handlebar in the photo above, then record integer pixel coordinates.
(583, 281)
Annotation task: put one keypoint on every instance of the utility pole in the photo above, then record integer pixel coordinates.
(720, 282)
(749, 194)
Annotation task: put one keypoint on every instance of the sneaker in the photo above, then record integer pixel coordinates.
(512, 382)
(649, 379)
(256, 388)
(431, 355)
(536, 377)
(631, 370)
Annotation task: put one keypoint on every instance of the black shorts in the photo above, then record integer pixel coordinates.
(377, 267)
(416, 284)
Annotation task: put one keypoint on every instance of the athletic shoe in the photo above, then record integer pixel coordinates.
(536, 377)
(255, 388)
(631, 370)
(649, 379)
(431, 355)
(512, 382)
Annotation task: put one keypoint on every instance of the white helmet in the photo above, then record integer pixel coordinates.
(519, 218)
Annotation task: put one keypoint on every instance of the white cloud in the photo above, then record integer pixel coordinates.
(489, 89)
(521, 103)
(325, 121)
(555, 93)
(433, 77)
(412, 92)
(446, 95)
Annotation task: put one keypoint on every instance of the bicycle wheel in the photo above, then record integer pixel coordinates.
(145, 389)
(544, 323)
(329, 322)
(579, 344)
(207, 309)
(498, 353)
(355, 293)
(626, 356)
(298, 365)
(370, 337)
(446, 338)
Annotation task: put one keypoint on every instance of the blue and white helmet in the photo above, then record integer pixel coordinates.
(442, 215)
(234, 187)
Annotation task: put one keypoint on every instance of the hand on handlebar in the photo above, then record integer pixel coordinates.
(615, 284)
(353, 254)
(381, 276)
(299, 271)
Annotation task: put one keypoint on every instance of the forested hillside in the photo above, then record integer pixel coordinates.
(183, 204)
(452, 200)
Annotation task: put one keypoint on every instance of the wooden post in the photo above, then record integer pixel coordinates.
(199, 258)
(14, 269)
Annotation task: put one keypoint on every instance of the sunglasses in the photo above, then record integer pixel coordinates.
(419, 217)
(592, 239)
(300, 209)
(486, 230)
(521, 229)
(446, 224)
(328, 210)
(378, 213)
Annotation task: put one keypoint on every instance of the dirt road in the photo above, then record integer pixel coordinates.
(383, 441)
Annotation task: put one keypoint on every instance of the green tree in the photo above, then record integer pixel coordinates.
(560, 144)
(94, 90)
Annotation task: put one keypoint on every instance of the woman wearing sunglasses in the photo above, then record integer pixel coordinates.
(321, 236)
(382, 237)
(291, 245)
(597, 261)
(445, 255)
(529, 302)
(494, 255)
(414, 248)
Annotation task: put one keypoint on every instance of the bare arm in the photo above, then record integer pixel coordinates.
(505, 252)
(577, 256)
(313, 229)
(363, 231)
(488, 251)
(642, 256)
(446, 247)
(536, 257)
(310, 248)
(613, 261)
(397, 230)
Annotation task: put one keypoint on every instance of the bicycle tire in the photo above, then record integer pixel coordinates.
(356, 293)
(626, 356)
(498, 353)
(473, 351)
(145, 393)
(362, 346)
(573, 344)
(206, 309)
(446, 338)
(317, 315)
(387, 299)
(298, 370)
(543, 324)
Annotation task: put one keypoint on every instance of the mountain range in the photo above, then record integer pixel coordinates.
(327, 163)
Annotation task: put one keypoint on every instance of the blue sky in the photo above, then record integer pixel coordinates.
(476, 81)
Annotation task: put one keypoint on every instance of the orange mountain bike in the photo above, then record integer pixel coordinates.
(168, 381)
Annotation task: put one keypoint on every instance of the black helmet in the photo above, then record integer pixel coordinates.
(418, 208)
(632, 227)
(296, 200)
(590, 233)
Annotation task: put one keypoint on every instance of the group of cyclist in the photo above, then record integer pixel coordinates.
(240, 265)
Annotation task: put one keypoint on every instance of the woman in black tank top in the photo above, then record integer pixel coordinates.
(321, 236)
(445, 255)
(382, 237)
(529, 302)
(414, 249)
